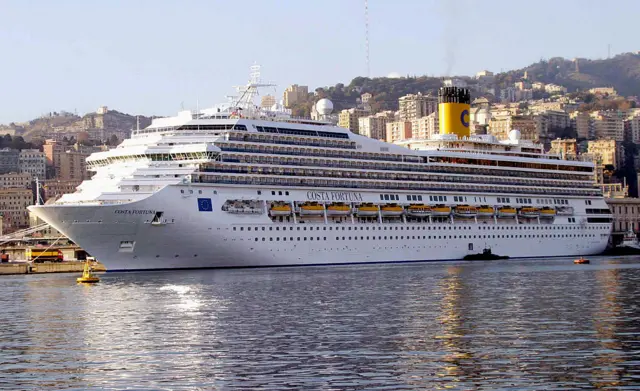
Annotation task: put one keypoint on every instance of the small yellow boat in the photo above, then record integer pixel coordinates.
(87, 274)
(466, 211)
(486, 211)
(419, 210)
(338, 209)
(280, 209)
(441, 210)
(311, 208)
(367, 209)
(529, 212)
(392, 210)
(506, 212)
(547, 212)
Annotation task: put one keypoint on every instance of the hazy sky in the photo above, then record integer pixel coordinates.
(149, 57)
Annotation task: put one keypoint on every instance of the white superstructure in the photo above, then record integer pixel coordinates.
(237, 186)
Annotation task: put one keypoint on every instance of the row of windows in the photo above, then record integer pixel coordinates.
(301, 132)
(599, 211)
(425, 237)
(417, 228)
(389, 197)
(264, 169)
(414, 198)
(256, 154)
(266, 180)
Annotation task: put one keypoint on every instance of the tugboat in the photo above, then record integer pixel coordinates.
(87, 274)
(486, 255)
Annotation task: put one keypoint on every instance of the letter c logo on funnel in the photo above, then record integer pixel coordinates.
(464, 118)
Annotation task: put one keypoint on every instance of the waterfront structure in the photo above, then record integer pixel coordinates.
(295, 94)
(626, 214)
(33, 162)
(214, 188)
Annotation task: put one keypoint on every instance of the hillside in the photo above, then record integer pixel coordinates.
(621, 72)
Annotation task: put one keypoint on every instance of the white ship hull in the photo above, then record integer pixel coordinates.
(123, 238)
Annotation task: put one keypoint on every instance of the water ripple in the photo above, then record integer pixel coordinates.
(526, 325)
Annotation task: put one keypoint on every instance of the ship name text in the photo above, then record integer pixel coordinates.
(134, 211)
(333, 196)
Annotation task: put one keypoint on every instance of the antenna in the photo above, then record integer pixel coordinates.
(609, 51)
(366, 35)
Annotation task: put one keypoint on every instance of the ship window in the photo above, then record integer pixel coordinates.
(259, 192)
(286, 193)
(409, 198)
(273, 193)
(386, 197)
(419, 198)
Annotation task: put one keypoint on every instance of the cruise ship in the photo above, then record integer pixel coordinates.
(241, 186)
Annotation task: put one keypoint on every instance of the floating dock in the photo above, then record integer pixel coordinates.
(47, 267)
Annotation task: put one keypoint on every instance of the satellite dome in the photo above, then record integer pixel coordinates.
(324, 106)
(515, 135)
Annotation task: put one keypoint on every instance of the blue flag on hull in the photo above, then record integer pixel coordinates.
(204, 205)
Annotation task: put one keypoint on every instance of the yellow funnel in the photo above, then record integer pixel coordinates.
(453, 111)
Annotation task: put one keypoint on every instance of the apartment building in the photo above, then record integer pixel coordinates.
(414, 106)
(13, 208)
(295, 94)
(33, 162)
(608, 126)
(582, 122)
(15, 180)
(501, 125)
(425, 127)
(349, 118)
(564, 147)
(607, 152)
(398, 131)
(9, 160)
(375, 126)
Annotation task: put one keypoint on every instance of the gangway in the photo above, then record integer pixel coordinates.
(21, 234)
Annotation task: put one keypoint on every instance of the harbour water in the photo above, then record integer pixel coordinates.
(517, 324)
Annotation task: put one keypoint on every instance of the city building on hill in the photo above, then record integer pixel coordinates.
(348, 118)
(501, 125)
(55, 188)
(508, 95)
(455, 82)
(414, 106)
(295, 94)
(610, 91)
(398, 131)
(607, 125)
(375, 126)
(553, 120)
(33, 162)
(13, 208)
(67, 163)
(632, 128)
(582, 123)
(523, 95)
(15, 180)
(564, 147)
(267, 101)
(425, 127)
(537, 85)
(607, 152)
(9, 160)
(555, 89)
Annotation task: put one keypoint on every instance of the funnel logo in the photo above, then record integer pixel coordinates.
(464, 118)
